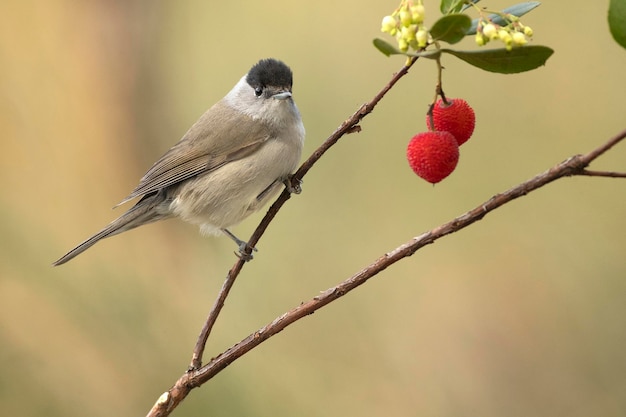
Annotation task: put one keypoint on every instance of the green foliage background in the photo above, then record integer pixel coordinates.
(522, 314)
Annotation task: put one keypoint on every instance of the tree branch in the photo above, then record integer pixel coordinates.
(574, 165)
(198, 374)
(350, 125)
(607, 174)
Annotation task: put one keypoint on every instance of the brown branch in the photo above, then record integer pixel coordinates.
(591, 156)
(350, 125)
(607, 174)
(572, 166)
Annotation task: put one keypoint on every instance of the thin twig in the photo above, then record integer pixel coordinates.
(348, 126)
(607, 174)
(198, 351)
(572, 166)
(588, 158)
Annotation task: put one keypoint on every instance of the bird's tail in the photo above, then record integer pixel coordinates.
(143, 212)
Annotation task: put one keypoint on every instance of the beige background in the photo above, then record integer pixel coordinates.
(522, 314)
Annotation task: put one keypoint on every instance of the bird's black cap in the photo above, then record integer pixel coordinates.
(270, 72)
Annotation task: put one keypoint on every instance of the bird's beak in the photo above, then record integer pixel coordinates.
(282, 96)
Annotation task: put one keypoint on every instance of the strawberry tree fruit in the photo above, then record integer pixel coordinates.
(456, 117)
(433, 155)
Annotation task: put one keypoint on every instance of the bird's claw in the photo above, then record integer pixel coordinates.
(245, 252)
(291, 188)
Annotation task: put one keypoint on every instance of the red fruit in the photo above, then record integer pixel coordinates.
(433, 155)
(457, 118)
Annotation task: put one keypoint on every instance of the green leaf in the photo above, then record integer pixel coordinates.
(386, 48)
(451, 28)
(518, 10)
(501, 61)
(451, 6)
(520, 59)
(617, 21)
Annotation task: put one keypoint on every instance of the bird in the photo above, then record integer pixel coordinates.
(227, 166)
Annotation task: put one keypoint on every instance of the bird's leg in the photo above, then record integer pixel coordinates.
(243, 245)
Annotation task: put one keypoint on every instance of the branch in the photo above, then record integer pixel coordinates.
(607, 174)
(574, 165)
(350, 125)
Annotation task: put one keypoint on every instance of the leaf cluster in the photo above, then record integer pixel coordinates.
(454, 26)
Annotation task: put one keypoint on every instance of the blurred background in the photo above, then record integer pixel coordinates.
(523, 313)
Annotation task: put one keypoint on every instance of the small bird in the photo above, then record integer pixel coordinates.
(227, 165)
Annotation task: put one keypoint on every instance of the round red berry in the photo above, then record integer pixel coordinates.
(433, 155)
(457, 117)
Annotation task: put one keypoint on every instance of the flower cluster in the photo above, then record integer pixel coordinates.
(407, 25)
(513, 34)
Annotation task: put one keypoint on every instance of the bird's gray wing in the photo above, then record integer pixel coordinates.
(208, 145)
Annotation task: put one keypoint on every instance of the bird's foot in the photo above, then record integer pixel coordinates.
(289, 185)
(245, 250)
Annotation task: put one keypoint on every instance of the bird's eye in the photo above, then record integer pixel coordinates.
(258, 91)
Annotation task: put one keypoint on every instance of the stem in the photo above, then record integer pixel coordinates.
(350, 125)
(607, 174)
(574, 165)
